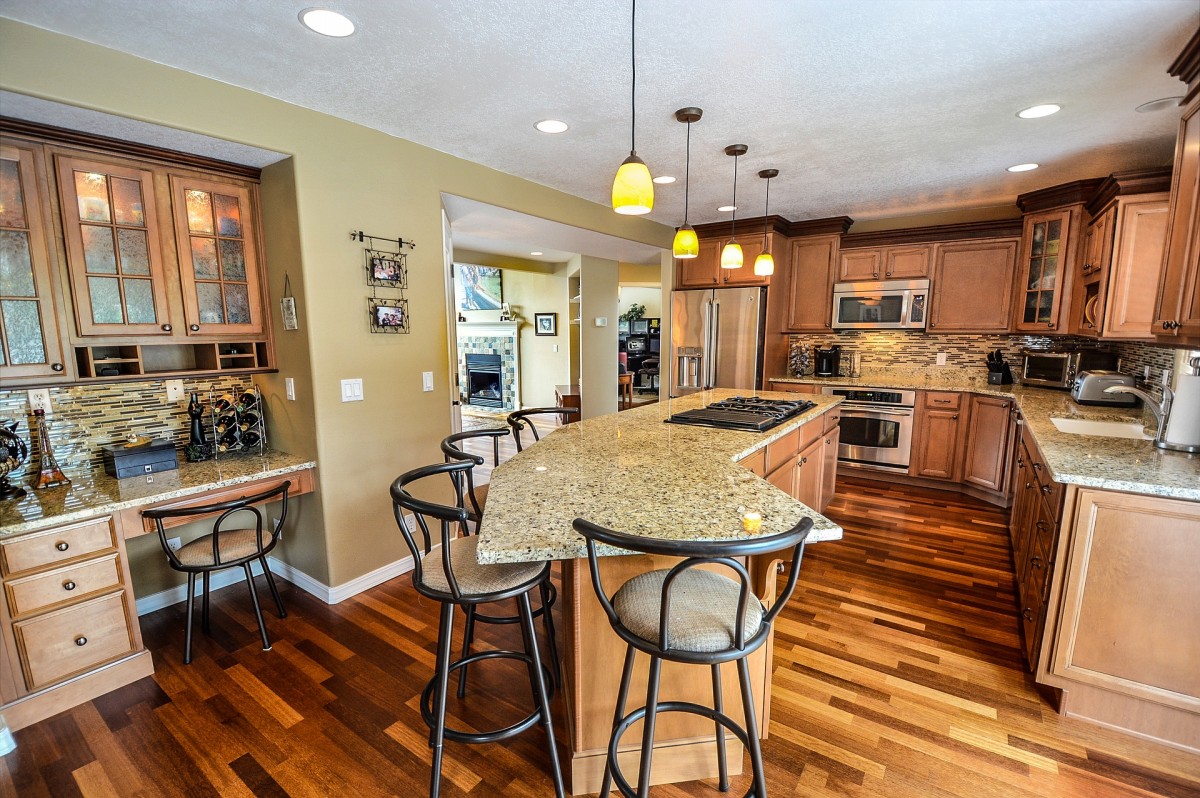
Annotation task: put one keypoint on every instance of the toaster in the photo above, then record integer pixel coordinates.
(1089, 389)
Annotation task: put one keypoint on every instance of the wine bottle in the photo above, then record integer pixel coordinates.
(226, 422)
(250, 439)
(248, 421)
(247, 402)
(232, 439)
(226, 402)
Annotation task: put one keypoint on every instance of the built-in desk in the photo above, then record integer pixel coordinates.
(67, 622)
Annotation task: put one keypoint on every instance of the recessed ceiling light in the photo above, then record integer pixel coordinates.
(1023, 167)
(1038, 111)
(537, 253)
(1164, 104)
(552, 126)
(664, 179)
(727, 208)
(326, 22)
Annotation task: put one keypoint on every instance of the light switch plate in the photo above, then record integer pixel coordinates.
(352, 390)
(426, 381)
(289, 385)
(174, 390)
(39, 399)
(602, 321)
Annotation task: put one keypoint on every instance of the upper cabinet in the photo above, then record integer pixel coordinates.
(1048, 250)
(701, 271)
(752, 247)
(812, 262)
(907, 262)
(30, 344)
(973, 286)
(704, 271)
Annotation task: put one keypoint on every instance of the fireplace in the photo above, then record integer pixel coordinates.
(483, 381)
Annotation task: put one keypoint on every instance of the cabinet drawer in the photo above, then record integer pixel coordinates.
(942, 400)
(32, 593)
(74, 639)
(830, 420)
(782, 450)
(756, 462)
(56, 545)
(1050, 491)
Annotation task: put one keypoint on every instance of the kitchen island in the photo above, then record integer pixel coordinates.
(632, 472)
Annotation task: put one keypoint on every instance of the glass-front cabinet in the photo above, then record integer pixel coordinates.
(111, 231)
(30, 346)
(1042, 279)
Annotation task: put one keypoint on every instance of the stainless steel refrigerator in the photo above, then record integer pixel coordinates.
(716, 339)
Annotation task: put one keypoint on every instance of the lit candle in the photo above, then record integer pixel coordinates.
(752, 522)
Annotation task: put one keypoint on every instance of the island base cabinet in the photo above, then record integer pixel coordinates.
(1125, 643)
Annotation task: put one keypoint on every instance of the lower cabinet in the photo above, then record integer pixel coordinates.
(988, 445)
(802, 463)
(936, 446)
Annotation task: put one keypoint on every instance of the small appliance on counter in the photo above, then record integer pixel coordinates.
(1090, 389)
(828, 361)
(122, 460)
(998, 371)
(1058, 368)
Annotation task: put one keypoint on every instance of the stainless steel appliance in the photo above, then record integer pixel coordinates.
(1090, 389)
(751, 413)
(829, 361)
(1057, 368)
(876, 427)
(883, 305)
(716, 339)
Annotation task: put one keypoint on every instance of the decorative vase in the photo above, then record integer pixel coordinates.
(799, 358)
(198, 448)
(49, 475)
(13, 454)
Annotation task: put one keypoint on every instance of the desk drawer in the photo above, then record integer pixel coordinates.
(74, 639)
(56, 545)
(29, 594)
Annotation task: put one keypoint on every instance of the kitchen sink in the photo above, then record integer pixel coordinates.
(1103, 429)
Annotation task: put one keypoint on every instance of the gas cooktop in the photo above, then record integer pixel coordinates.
(750, 413)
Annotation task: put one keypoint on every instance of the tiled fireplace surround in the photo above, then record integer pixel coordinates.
(491, 338)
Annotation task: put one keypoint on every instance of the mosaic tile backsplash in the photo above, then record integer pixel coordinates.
(89, 416)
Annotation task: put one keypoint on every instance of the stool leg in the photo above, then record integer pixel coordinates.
(622, 698)
(262, 627)
(548, 622)
(271, 584)
(445, 636)
(187, 635)
(648, 726)
(540, 694)
(760, 778)
(722, 767)
(468, 638)
(204, 606)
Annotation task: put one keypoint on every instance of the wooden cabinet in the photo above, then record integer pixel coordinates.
(936, 442)
(972, 286)
(704, 271)
(1049, 249)
(988, 446)
(1177, 303)
(1126, 307)
(812, 266)
(907, 262)
(858, 265)
(809, 476)
(802, 463)
(700, 271)
(31, 346)
(829, 463)
(752, 245)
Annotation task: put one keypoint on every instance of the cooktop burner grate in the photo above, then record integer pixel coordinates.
(742, 413)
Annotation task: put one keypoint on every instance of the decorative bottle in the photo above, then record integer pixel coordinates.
(49, 474)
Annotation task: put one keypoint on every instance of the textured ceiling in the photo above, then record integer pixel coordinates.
(874, 108)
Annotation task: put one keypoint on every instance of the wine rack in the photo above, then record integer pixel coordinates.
(239, 423)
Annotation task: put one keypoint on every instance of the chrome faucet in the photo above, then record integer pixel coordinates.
(1160, 409)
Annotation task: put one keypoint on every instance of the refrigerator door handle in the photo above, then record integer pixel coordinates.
(714, 335)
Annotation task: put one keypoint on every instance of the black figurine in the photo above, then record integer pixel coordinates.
(198, 448)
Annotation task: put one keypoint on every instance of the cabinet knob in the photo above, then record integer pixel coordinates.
(1027, 614)
(1046, 489)
(1020, 463)
(56, 367)
(167, 328)
(1037, 466)
(62, 545)
(1035, 562)
(68, 585)
(933, 324)
(194, 327)
(954, 417)
(1041, 526)
(1050, 325)
(81, 641)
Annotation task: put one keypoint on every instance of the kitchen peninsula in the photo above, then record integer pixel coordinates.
(633, 472)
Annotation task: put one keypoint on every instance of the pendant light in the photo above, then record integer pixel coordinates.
(731, 255)
(687, 245)
(633, 190)
(764, 264)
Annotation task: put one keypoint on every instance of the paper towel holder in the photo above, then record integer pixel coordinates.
(1161, 410)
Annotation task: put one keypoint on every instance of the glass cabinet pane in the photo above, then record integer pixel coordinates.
(98, 251)
(229, 216)
(199, 211)
(12, 199)
(135, 255)
(104, 294)
(211, 309)
(233, 261)
(23, 330)
(204, 258)
(127, 202)
(91, 189)
(139, 301)
(16, 265)
(237, 304)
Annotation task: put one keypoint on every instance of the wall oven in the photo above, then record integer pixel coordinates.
(885, 305)
(876, 427)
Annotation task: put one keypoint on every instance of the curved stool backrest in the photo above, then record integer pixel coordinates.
(520, 419)
(423, 515)
(224, 511)
(465, 481)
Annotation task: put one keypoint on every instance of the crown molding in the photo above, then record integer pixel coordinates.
(998, 228)
(1123, 184)
(1077, 192)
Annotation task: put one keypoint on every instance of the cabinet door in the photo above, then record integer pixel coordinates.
(935, 447)
(218, 261)
(1177, 309)
(812, 264)
(752, 247)
(1046, 259)
(829, 464)
(973, 286)
(860, 264)
(30, 346)
(987, 442)
(1141, 237)
(808, 474)
(700, 271)
(113, 256)
(906, 263)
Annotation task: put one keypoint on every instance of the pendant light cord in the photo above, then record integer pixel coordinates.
(633, 89)
(733, 225)
(766, 219)
(687, 174)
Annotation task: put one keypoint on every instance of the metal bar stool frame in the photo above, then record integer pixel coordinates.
(434, 695)
(225, 511)
(520, 419)
(694, 553)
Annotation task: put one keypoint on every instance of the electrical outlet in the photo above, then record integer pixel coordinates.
(289, 385)
(174, 543)
(941, 358)
(174, 390)
(39, 399)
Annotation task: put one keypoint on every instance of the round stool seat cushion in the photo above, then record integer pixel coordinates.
(232, 545)
(703, 610)
(475, 579)
(481, 492)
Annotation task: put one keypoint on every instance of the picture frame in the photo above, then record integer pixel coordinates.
(545, 323)
(387, 269)
(478, 287)
(388, 315)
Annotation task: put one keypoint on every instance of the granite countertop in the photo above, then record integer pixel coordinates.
(631, 472)
(1122, 464)
(99, 494)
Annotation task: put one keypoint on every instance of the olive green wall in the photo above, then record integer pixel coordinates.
(345, 177)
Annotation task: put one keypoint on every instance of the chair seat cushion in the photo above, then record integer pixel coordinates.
(481, 492)
(474, 579)
(703, 610)
(235, 544)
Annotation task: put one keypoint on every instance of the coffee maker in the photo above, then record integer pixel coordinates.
(828, 362)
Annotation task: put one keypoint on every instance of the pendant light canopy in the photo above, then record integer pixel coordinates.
(687, 245)
(731, 255)
(764, 264)
(633, 190)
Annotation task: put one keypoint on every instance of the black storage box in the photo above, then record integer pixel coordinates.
(151, 458)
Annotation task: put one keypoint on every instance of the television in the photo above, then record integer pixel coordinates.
(655, 344)
(636, 344)
(639, 326)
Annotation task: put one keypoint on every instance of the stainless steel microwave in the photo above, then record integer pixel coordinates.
(884, 305)
(1057, 368)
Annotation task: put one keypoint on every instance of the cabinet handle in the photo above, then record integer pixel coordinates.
(933, 324)
(81, 641)
(167, 328)
(1027, 614)
(1020, 463)
(194, 327)
(1046, 490)
(1035, 562)
(62, 545)
(954, 417)
(57, 367)
(1037, 466)
(1041, 526)
(68, 585)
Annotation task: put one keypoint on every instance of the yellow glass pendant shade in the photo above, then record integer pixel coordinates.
(764, 265)
(687, 244)
(633, 190)
(731, 256)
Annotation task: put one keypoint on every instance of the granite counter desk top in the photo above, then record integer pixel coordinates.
(1121, 464)
(631, 472)
(99, 494)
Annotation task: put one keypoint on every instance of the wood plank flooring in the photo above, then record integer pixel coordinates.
(898, 674)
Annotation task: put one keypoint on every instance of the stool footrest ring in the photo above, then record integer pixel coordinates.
(495, 735)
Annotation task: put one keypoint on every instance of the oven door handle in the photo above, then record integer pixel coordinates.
(877, 411)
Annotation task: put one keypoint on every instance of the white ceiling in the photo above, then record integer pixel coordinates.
(871, 109)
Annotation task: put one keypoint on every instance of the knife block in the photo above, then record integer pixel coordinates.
(1001, 376)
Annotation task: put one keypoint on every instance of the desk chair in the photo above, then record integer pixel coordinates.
(520, 419)
(225, 548)
(454, 577)
(686, 614)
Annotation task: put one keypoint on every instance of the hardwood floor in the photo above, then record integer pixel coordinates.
(898, 673)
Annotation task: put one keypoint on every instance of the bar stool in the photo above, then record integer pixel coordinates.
(454, 578)
(519, 419)
(689, 615)
(465, 487)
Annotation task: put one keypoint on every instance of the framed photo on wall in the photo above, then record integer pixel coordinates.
(545, 323)
(387, 269)
(388, 315)
(477, 287)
